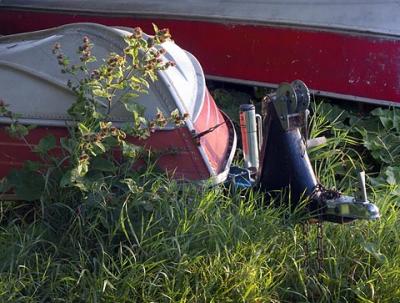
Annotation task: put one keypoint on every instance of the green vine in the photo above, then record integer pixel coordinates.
(97, 150)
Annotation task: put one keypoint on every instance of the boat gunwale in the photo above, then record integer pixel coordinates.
(234, 21)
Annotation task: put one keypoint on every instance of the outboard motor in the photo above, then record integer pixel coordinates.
(284, 162)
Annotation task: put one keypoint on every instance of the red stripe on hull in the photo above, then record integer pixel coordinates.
(179, 155)
(340, 63)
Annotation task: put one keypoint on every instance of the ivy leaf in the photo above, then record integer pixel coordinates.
(130, 150)
(105, 125)
(118, 86)
(133, 107)
(67, 179)
(372, 250)
(82, 168)
(387, 122)
(28, 185)
(16, 130)
(67, 144)
(390, 118)
(33, 165)
(128, 97)
(102, 164)
(110, 142)
(84, 130)
(91, 59)
(138, 80)
(45, 144)
(384, 146)
(378, 112)
(392, 175)
(131, 184)
(72, 178)
(100, 146)
(175, 114)
(155, 28)
(100, 93)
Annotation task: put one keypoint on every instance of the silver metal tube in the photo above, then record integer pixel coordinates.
(362, 187)
(249, 130)
(259, 122)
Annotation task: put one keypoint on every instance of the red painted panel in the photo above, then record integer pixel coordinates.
(180, 156)
(215, 143)
(348, 64)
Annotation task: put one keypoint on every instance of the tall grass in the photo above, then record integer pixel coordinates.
(174, 243)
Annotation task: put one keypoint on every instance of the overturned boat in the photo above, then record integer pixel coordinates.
(341, 49)
(33, 86)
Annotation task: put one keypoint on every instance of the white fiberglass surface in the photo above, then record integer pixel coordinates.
(379, 16)
(42, 92)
